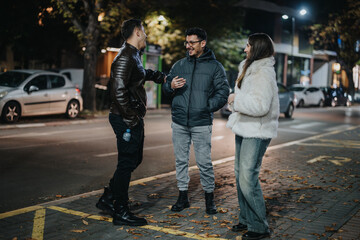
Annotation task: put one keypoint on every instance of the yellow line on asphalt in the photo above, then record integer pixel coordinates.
(80, 214)
(39, 224)
(180, 233)
(19, 211)
(150, 227)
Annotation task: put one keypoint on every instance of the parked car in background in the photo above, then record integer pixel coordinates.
(36, 92)
(307, 95)
(336, 97)
(75, 75)
(286, 99)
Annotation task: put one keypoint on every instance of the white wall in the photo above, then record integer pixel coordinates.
(321, 76)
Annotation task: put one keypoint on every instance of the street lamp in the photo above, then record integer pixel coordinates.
(302, 12)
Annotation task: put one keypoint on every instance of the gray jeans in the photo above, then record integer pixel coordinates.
(201, 137)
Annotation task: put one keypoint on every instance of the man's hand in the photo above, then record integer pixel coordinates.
(231, 98)
(165, 79)
(177, 82)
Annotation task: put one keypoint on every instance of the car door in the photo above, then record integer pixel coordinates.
(58, 94)
(36, 102)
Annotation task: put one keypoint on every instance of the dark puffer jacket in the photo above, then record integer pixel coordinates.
(127, 92)
(206, 89)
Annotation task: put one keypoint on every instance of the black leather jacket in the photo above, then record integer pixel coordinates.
(127, 78)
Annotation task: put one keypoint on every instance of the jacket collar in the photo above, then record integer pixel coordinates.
(133, 48)
(206, 56)
(264, 62)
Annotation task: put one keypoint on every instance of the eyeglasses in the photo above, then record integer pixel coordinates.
(191, 43)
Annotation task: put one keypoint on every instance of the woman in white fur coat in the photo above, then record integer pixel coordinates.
(254, 120)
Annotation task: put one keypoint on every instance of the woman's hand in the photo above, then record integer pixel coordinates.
(231, 98)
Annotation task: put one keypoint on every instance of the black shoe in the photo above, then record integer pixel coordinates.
(238, 228)
(182, 202)
(106, 202)
(123, 216)
(209, 203)
(254, 236)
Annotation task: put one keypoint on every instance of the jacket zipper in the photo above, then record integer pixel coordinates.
(192, 80)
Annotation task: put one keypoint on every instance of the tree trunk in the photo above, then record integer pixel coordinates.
(88, 91)
(351, 88)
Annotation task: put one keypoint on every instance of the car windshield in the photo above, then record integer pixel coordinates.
(296, 89)
(12, 79)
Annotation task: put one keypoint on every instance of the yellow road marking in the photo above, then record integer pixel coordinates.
(335, 160)
(39, 224)
(19, 211)
(331, 145)
(150, 227)
(179, 233)
(80, 214)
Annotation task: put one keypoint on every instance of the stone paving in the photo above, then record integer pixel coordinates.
(311, 188)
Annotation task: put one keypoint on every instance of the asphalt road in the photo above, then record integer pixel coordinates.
(39, 163)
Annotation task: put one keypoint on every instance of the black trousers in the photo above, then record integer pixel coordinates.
(130, 156)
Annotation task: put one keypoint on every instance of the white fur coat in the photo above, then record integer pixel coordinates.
(256, 104)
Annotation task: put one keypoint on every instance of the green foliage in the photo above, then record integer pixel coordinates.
(344, 26)
(228, 48)
(162, 31)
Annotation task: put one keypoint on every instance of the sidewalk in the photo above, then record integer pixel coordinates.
(311, 187)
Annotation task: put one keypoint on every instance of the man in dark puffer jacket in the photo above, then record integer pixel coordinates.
(128, 107)
(199, 87)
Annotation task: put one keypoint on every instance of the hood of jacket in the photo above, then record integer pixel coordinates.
(207, 55)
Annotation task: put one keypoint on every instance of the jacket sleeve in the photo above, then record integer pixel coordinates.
(167, 86)
(256, 99)
(121, 74)
(221, 90)
(156, 76)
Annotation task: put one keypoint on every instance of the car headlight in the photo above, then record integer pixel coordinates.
(3, 94)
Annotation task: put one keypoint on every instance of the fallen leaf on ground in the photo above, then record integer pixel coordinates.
(175, 215)
(152, 221)
(329, 229)
(142, 184)
(295, 219)
(58, 196)
(194, 207)
(222, 210)
(153, 196)
(85, 222)
(132, 231)
(274, 214)
(214, 218)
(78, 230)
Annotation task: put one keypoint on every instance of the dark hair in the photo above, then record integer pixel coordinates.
(261, 47)
(128, 26)
(199, 32)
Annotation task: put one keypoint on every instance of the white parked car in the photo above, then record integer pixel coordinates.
(36, 92)
(307, 95)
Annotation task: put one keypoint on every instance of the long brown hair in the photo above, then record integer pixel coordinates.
(261, 47)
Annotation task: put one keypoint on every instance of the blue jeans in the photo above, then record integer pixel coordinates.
(201, 137)
(248, 159)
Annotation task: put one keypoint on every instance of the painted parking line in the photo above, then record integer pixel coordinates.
(149, 227)
(39, 224)
(20, 211)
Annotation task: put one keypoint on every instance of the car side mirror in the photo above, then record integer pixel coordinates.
(33, 88)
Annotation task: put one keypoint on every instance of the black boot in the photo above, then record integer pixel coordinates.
(182, 202)
(210, 204)
(123, 216)
(106, 202)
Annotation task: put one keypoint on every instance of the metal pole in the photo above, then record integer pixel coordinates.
(292, 48)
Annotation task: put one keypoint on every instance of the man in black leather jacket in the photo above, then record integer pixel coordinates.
(127, 110)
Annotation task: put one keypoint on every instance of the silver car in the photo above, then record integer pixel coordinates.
(36, 92)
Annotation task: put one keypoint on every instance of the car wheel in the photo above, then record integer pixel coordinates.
(11, 112)
(290, 111)
(301, 103)
(321, 103)
(73, 109)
